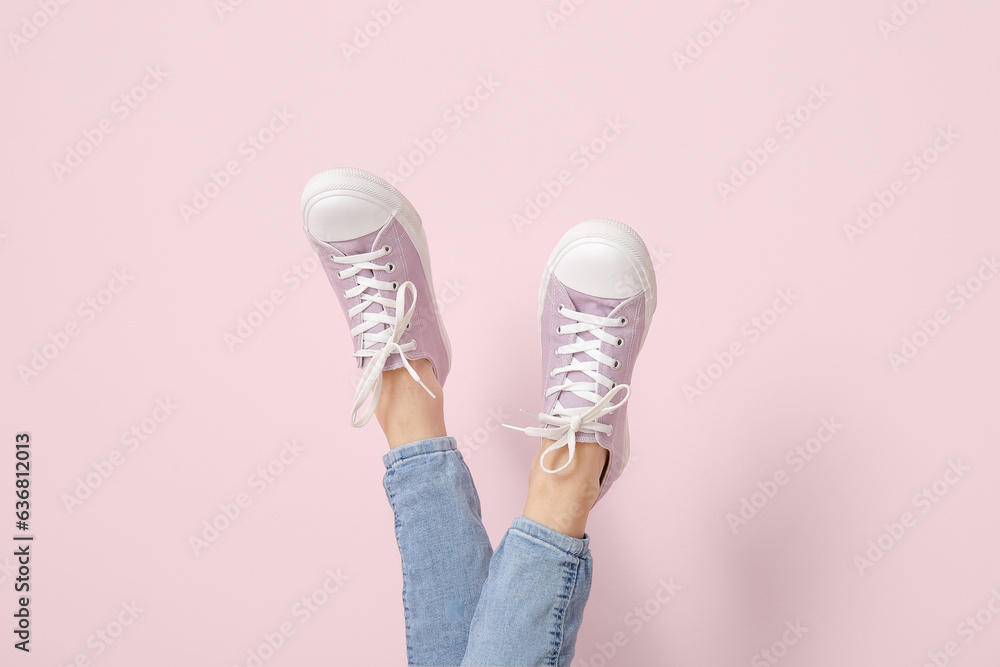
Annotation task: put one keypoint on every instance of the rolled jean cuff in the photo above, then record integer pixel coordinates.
(553, 538)
(419, 448)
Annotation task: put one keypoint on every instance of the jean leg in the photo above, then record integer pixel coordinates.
(443, 545)
(531, 606)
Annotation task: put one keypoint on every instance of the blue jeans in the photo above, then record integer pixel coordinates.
(463, 603)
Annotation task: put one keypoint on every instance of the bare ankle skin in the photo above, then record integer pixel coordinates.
(562, 501)
(406, 412)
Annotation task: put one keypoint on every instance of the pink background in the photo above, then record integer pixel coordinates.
(722, 262)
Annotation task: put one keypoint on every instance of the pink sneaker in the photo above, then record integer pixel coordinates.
(372, 245)
(597, 299)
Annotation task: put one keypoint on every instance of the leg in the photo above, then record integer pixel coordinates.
(562, 501)
(443, 545)
(532, 604)
(597, 295)
(371, 244)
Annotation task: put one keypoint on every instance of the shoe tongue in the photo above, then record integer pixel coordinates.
(591, 305)
(357, 246)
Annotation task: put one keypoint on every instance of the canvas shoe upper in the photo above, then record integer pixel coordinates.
(597, 297)
(372, 245)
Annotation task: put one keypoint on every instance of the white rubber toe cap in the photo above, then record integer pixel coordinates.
(599, 268)
(333, 216)
(603, 258)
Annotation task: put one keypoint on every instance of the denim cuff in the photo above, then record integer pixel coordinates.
(419, 448)
(554, 538)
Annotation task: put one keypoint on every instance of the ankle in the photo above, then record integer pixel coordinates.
(562, 501)
(406, 412)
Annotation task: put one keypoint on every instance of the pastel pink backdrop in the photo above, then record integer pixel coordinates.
(722, 261)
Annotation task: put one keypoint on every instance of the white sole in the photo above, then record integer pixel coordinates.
(624, 238)
(368, 186)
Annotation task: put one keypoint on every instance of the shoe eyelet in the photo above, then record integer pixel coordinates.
(333, 257)
(623, 321)
(387, 248)
(345, 294)
(339, 277)
(552, 373)
(614, 384)
(617, 365)
(390, 268)
(409, 325)
(558, 353)
(395, 285)
(559, 330)
(560, 308)
(619, 342)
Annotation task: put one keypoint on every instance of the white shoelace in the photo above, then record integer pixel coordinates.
(368, 289)
(570, 421)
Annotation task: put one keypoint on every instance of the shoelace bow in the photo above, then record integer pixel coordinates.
(570, 421)
(369, 289)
